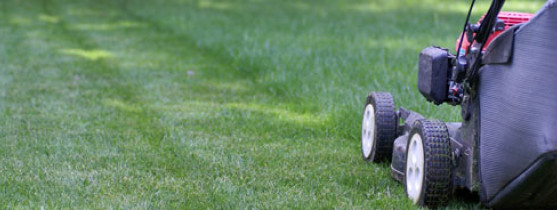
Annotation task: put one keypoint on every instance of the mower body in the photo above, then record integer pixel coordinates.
(505, 148)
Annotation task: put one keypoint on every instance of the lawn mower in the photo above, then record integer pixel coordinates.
(505, 147)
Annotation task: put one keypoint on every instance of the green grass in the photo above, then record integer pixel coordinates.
(209, 103)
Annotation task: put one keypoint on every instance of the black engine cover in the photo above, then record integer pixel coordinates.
(432, 74)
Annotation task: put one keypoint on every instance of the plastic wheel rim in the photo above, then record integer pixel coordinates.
(415, 168)
(368, 130)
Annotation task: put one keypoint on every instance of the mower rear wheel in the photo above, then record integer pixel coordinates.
(378, 127)
(428, 163)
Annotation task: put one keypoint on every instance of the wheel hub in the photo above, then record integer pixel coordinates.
(368, 130)
(415, 168)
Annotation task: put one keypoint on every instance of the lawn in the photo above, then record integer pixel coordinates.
(196, 104)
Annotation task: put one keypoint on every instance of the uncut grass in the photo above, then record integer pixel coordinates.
(206, 104)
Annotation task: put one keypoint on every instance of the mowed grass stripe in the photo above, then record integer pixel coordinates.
(123, 126)
(88, 141)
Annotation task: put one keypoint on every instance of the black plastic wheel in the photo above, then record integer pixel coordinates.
(428, 164)
(379, 126)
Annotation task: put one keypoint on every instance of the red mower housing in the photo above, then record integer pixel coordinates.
(509, 19)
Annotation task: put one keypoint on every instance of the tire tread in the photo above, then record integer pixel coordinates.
(386, 124)
(438, 163)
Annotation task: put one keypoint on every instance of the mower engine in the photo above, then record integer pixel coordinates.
(437, 65)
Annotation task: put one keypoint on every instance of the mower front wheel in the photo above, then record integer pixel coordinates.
(428, 164)
(378, 127)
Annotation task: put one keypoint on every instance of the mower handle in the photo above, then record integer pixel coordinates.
(481, 38)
